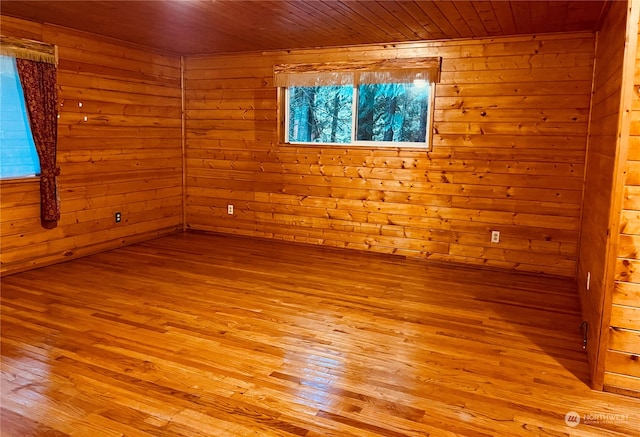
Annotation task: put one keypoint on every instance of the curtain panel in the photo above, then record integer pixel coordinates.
(38, 81)
(37, 69)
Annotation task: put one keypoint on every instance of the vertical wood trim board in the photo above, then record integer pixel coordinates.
(510, 129)
(183, 157)
(123, 157)
(622, 359)
(600, 185)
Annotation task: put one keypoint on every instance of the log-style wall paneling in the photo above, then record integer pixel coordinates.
(521, 125)
(119, 150)
(622, 365)
(508, 152)
(596, 235)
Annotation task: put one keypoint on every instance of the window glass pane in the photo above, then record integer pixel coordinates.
(395, 112)
(18, 156)
(320, 114)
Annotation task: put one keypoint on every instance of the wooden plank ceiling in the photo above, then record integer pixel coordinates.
(217, 26)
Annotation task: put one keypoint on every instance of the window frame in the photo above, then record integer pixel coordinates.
(426, 145)
(354, 72)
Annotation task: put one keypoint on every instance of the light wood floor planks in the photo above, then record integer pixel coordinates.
(206, 335)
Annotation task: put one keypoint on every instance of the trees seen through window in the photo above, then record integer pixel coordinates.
(394, 114)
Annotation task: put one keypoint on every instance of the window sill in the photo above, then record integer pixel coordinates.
(19, 180)
(411, 148)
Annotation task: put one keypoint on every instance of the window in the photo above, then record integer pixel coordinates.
(383, 103)
(18, 156)
(367, 114)
(28, 72)
(322, 114)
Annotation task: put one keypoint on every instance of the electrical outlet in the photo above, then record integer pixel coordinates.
(588, 280)
(495, 236)
(230, 209)
(118, 217)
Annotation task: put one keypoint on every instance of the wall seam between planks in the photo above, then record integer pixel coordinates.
(183, 145)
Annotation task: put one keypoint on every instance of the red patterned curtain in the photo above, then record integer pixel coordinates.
(38, 81)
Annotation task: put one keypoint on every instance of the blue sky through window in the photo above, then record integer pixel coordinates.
(18, 156)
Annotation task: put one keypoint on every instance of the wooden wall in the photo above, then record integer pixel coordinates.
(126, 157)
(508, 154)
(622, 364)
(599, 179)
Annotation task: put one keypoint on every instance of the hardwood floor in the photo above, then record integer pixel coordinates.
(206, 335)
